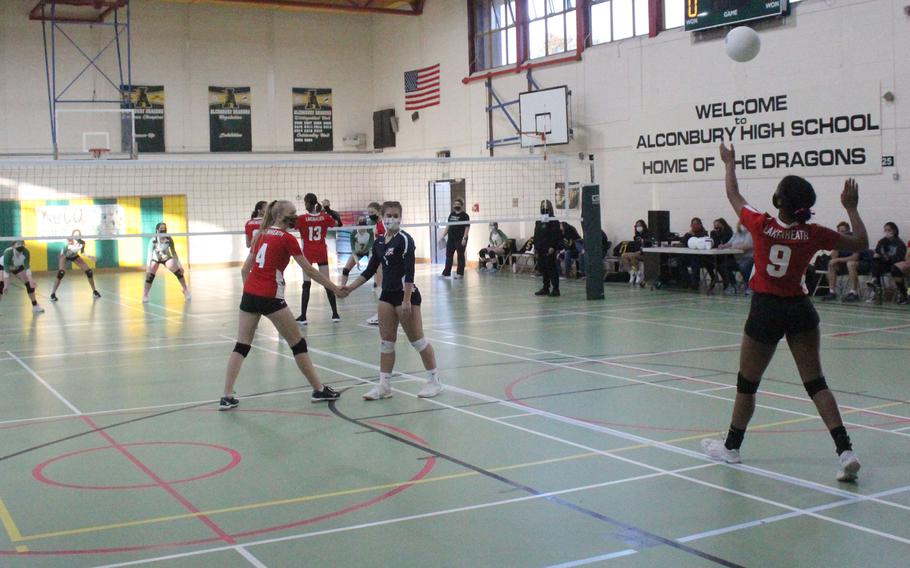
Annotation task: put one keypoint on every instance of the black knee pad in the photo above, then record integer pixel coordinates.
(89, 273)
(897, 272)
(308, 284)
(242, 348)
(61, 274)
(150, 278)
(300, 347)
(29, 289)
(345, 271)
(179, 274)
(816, 386)
(746, 386)
(2, 286)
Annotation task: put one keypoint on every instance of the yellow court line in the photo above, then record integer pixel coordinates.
(345, 492)
(9, 524)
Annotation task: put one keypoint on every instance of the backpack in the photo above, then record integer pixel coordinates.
(622, 248)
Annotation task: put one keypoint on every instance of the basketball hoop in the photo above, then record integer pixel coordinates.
(541, 141)
(99, 153)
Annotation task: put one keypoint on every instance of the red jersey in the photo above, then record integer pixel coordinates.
(251, 228)
(782, 252)
(380, 229)
(313, 229)
(271, 254)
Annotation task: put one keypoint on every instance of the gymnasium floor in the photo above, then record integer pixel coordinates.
(568, 435)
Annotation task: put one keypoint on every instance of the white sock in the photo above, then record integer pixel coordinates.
(385, 377)
(434, 375)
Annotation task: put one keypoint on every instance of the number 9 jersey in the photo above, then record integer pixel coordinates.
(271, 252)
(782, 252)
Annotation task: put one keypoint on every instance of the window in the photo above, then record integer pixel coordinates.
(674, 14)
(612, 20)
(551, 27)
(494, 34)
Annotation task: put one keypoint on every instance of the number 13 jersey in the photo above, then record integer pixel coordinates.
(782, 252)
(271, 252)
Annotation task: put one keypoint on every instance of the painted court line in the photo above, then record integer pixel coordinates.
(53, 391)
(397, 520)
(252, 559)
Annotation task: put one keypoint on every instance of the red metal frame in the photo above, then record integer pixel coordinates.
(354, 7)
(101, 7)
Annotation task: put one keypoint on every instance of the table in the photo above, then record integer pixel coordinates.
(652, 269)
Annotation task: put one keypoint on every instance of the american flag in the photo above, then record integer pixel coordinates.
(421, 88)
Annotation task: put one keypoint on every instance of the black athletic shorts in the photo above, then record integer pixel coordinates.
(772, 317)
(261, 304)
(397, 298)
(71, 258)
(17, 270)
(161, 261)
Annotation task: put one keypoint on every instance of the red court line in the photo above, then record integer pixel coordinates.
(160, 482)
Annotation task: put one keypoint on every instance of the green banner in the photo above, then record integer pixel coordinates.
(148, 104)
(312, 116)
(230, 119)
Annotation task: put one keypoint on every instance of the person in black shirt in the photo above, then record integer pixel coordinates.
(690, 265)
(573, 247)
(457, 239)
(327, 209)
(721, 235)
(399, 303)
(548, 242)
(889, 251)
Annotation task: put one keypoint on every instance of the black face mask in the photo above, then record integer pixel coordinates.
(543, 211)
(374, 218)
(457, 209)
(776, 201)
(291, 221)
(20, 249)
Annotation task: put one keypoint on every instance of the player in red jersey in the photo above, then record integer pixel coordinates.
(253, 225)
(783, 247)
(314, 228)
(263, 295)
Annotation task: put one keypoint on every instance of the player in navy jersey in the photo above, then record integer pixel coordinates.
(399, 303)
(783, 247)
(263, 295)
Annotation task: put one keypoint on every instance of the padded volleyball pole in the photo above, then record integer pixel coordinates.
(590, 225)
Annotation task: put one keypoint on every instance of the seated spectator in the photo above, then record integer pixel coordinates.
(573, 246)
(889, 251)
(495, 249)
(843, 262)
(632, 259)
(721, 235)
(742, 263)
(900, 272)
(689, 266)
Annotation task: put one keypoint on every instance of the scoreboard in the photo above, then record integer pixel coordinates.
(705, 14)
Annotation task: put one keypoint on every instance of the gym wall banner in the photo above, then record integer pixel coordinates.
(147, 102)
(312, 116)
(230, 119)
(833, 131)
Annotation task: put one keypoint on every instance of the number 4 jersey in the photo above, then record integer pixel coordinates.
(782, 252)
(271, 252)
(314, 228)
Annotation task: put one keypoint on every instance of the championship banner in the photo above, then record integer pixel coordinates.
(817, 132)
(312, 116)
(148, 104)
(230, 119)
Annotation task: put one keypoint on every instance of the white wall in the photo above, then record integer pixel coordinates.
(820, 46)
(187, 47)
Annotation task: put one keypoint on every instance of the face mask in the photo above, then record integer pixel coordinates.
(391, 223)
(889, 234)
(374, 217)
(639, 229)
(163, 230)
(775, 201)
(290, 221)
(543, 210)
(20, 248)
(458, 208)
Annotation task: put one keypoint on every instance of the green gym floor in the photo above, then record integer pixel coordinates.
(568, 434)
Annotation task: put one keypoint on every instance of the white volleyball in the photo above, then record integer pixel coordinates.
(693, 243)
(742, 44)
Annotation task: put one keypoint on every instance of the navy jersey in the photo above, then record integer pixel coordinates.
(397, 258)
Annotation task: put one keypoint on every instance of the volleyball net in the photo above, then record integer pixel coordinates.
(116, 204)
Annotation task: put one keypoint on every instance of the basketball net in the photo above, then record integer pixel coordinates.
(542, 136)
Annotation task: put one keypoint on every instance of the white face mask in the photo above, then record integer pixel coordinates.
(639, 229)
(391, 223)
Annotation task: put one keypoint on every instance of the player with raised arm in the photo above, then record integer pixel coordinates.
(161, 250)
(263, 295)
(73, 252)
(16, 261)
(314, 228)
(399, 303)
(783, 247)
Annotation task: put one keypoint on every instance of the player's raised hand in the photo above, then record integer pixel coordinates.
(727, 155)
(849, 197)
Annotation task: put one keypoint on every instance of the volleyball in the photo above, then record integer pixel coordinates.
(742, 44)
